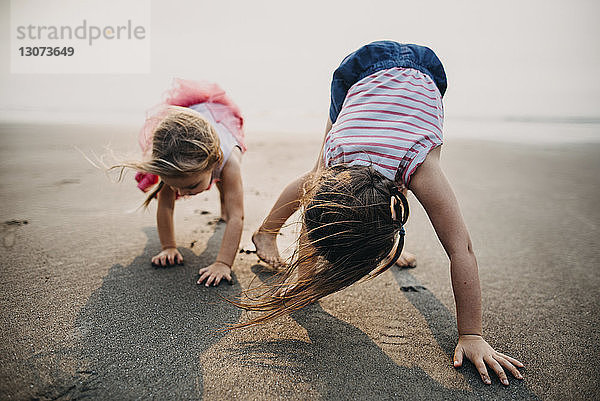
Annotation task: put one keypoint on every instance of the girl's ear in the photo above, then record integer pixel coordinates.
(393, 203)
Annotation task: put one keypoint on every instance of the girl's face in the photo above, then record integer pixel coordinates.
(190, 184)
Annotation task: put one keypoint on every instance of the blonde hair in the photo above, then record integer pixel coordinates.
(347, 233)
(183, 143)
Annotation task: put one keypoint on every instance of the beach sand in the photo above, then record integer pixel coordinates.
(84, 314)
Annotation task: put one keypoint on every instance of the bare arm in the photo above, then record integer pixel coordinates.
(430, 186)
(233, 194)
(166, 233)
(232, 187)
(164, 217)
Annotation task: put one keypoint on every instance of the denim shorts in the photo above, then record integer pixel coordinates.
(378, 56)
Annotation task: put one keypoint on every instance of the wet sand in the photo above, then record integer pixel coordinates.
(84, 314)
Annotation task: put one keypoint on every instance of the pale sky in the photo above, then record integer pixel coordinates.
(275, 58)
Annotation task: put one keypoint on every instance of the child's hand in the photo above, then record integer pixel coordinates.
(481, 353)
(168, 257)
(214, 273)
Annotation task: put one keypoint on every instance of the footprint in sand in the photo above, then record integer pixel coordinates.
(412, 288)
(8, 232)
(392, 335)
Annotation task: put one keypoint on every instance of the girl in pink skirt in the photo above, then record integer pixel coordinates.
(190, 141)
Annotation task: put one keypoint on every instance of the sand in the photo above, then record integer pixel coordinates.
(84, 314)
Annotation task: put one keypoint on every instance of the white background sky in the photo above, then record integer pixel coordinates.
(275, 58)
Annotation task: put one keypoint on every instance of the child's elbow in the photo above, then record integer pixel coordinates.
(470, 248)
(237, 216)
(461, 250)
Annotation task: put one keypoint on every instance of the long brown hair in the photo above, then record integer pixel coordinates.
(182, 143)
(347, 233)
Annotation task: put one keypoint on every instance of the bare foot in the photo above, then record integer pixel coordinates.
(407, 259)
(266, 248)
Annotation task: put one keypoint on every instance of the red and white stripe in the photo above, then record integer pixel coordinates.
(390, 120)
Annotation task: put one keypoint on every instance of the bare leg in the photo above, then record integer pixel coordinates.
(265, 238)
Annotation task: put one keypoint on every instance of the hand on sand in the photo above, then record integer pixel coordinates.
(266, 249)
(168, 257)
(478, 351)
(214, 273)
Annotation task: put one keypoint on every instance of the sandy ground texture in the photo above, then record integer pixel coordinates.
(85, 315)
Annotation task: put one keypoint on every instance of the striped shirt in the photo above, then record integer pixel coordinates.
(390, 120)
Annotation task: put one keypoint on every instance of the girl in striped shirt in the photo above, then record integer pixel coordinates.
(384, 136)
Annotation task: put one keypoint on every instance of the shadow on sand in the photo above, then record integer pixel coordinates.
(143, 331)
(342, 362)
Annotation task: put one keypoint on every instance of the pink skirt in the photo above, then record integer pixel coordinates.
(185, 93)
